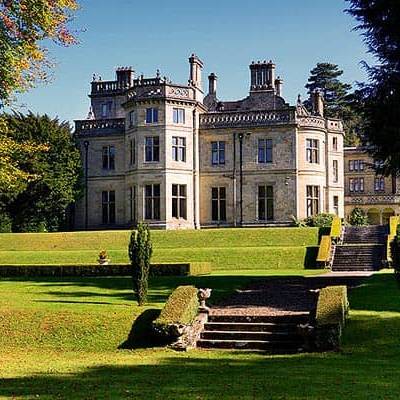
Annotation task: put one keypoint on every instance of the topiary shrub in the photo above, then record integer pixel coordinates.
(358, 217)
(181, 308)
(332, 311)
(322, 220)
(140, 251)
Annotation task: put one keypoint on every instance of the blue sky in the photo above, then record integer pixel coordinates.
(227, 36)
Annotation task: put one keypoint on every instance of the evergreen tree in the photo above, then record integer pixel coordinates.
(379, 22)
(325, 78)
(140, 251)
(43, 201)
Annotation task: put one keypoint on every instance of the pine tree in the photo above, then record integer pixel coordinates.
(140, 251)
(379, 22)
(325, 78)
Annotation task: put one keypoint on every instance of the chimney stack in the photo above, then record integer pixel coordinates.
(125, 76)
(262, 75)
(279, 86)
(196, 66)
(212, 84)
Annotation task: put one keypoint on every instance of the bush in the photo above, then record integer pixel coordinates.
(358, 217)
(319, 221)
(140, 251)
(332, 306)
(332, 311)
(181, 308)
(5, 223)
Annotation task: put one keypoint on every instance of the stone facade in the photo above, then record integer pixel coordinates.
(365, 188)
(164, 153)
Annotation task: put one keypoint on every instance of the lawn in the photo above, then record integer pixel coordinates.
(268, 248)
(59, 340)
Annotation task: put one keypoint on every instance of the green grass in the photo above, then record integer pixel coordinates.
(58, 340)
(269, 248)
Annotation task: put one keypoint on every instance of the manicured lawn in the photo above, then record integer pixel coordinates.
(58, 339)
(269, 248)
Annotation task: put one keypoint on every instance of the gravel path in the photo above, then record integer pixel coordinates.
(281, 296)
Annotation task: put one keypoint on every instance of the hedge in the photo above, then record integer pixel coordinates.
(332, 306)
(165, 269)
(324, 251)
(331, 313)
(181, 308)
(336, 228)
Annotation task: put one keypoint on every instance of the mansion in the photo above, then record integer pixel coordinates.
(170, 155)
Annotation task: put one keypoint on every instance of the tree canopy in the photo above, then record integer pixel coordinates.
(41, 203)
(24, 27)
(378, 21)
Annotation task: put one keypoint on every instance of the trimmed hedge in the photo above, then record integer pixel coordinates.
(324, 251)
(181, 308)
(331, 314)
(173, 269)
(332, 306)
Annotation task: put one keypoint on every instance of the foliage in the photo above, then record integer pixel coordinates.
(338, 102)
(379, 24)
(181, 308)
(332, 306)
(358, 217)
(5, 222)
(42, 201)
(320, 220)
(24, 27)
(140, 251)
(103, 255)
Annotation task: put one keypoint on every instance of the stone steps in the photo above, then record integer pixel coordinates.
(270, 333)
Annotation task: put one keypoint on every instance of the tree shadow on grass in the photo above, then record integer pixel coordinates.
(223, 375)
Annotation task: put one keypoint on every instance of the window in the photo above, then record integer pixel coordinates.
(312, 200)
(218, 202)
(356, 165)
(312, 151)
(335, 143)
(264, 151)
(132, 151)
(152, 149)
(106, 109)
(265, 203)
(133, 204)
(179, 201)
(108, 206)
(336, 205)
(178, 115)
(378, 164)
(218, 153)
(379, 184)
(356, 184)
(152, 201)
(132, 118)
(109, 157)
(151, 115)
(179, 148)
(335, 171)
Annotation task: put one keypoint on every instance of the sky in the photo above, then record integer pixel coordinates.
(226, 35)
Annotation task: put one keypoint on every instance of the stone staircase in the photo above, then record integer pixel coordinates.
(270, 333)
(363, 249)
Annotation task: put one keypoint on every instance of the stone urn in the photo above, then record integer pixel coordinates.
(203, 295)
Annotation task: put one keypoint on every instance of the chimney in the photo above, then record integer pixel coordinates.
(196, 66)
(124, 76)
(262, 75)
(212, 84)
(318, 103)
(278, 86)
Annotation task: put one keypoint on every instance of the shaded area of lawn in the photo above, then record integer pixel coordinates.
(367, 367)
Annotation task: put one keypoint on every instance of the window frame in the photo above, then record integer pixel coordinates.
(151, 116)
(108, 201)
(218, 152)
(313, 198)
(335, 169)
(265, 150)
(267, 202)
(218, 204)
(179, 148)
(312, 151)
(108, 158)
(179, 201)
(178, 116)
(152, 202)
(152, 149)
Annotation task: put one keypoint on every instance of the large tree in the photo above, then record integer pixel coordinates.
(43, 202)
(339, 103)
(379, 23)
(25, 25)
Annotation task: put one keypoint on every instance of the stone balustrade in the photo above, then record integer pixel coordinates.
(363, 199)
(251, 118)
(100, 126)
